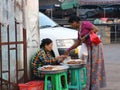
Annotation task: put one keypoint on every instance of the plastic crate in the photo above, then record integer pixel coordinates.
(32, 85)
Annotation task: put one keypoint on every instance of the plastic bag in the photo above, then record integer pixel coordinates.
(83, 52)
(94, 38)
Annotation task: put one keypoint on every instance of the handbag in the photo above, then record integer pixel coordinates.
(94, 38)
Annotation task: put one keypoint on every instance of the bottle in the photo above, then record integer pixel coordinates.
(49, 86)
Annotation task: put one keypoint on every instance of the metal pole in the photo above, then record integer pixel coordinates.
(8, 56)
(0, 60)
(16, 44)
(104, 13)
(24, 41)
(77, 10)
(115, 33)
(51, 13)
(16, 52)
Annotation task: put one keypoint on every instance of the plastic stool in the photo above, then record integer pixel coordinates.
(83, 77)
(56, 83)
(76, 78)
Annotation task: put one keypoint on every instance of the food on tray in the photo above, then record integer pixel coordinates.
(47, 68)
(74, 62)
(57, 68)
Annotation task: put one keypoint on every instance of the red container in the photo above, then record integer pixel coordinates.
(32, 85)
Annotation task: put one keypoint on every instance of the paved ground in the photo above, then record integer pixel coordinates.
(112, 64)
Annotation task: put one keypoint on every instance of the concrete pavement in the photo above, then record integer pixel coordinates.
(112, 65)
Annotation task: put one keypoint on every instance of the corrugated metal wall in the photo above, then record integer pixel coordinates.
(12, 44)
(18, 35)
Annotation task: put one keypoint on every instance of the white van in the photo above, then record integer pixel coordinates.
(62, 37)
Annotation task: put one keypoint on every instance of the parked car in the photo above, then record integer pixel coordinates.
(62, 37)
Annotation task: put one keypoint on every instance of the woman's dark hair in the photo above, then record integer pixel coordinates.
(45, 41)
(73, 18)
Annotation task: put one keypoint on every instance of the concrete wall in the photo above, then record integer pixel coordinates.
(33, 37)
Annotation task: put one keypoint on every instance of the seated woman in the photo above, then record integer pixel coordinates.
(44, 56)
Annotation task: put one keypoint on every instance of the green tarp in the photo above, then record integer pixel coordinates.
(67, 4)
(97, 2)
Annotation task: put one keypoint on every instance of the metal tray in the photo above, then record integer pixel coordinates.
(63, 69)
(74, 65)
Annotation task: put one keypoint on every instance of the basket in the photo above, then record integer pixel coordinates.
(32, 85)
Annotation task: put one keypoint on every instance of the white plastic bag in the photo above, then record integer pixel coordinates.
(67, 59)
(83, 52)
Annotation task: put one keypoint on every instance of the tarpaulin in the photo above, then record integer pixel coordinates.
(95, 2)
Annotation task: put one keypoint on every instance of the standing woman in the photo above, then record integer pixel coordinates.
(95, 63)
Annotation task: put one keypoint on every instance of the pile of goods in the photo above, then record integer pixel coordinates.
(47, 68)
(51, 67)
(74, 62)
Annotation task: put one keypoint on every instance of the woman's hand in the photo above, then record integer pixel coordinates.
(83, 39)
(61, 58)
(67, 53)
(64, 56)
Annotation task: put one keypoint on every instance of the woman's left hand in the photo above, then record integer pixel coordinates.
(61, 58)
(64, 56)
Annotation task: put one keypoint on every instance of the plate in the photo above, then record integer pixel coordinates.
(55, 69)
(74, 65)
